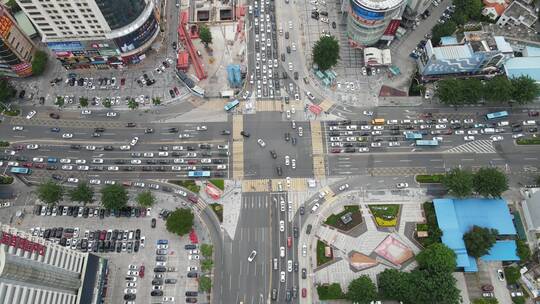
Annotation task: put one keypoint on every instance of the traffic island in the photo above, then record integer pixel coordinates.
(324, 255)
(218, 210)
(386, 216)
(528, 141)
(429, 178)
(346, 220)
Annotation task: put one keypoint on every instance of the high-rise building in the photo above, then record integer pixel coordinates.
(95, 33)
(370, 21)
(34, 270)
(16, 49)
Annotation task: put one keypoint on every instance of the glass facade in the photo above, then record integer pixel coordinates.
(120, 13)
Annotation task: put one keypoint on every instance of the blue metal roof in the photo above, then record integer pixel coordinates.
(456, 217)
(448, 40)
(502, 251)
(523, 66)
(532, 51)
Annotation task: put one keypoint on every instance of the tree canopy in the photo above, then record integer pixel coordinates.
(39, 63)
(523, 251)
(498, 90)
(156, 101)
(146, 199)
(83, 101)
(524, 89)
(459, 182)
(206, 250)
(440, 30)
(395, 284)
(469, 10)
(512, 274)
(180, 221)
(114, 197)
(132, 104)
(485, 301)
(361, 290)
(7, 91)
(205, 284)
(490, 182)
(50, 192)
(479, 240)
(437, 258)
(326, 52)
(83, 193)
(205, 34)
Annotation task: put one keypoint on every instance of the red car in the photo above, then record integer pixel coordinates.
(122, 81)
(28, 164)
(39, 166)
(304, 292)
(176, 91)
(534, 113)
(102, 235)
(289, 242)
(192, 198)
(335, 150)
(192, 161)
(141, 271)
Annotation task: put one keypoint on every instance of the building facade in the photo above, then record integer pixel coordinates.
(16, 49)
(370, 21)
(413, 10)
(95, 33)
(34, 270)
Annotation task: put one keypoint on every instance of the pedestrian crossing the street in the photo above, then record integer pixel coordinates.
(477, 146)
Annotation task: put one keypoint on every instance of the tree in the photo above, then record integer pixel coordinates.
(39, 63)
(395, 285)
(59, 101)
(326, 52)
(519, 300)
(180, 221)
(441, 30)
(479, 240)
(512, 274)
(472, 90)
(485, 301)
(498, 90)
(490, 182)
(205, 35)
(207, 264)
(13, 6)
(525, 89)
(107, 103)
(7, 91)
(83, 101)
(450, 92)
(361, 290)
(156, 101)
(205, 284)
(459, 182)
(437, 258)
(132, 104)
(523, 251)
(50, 192)
(471, 9)
(146, 199)
(433, 287)
(206, 250)
(83, 193)
(114, 197)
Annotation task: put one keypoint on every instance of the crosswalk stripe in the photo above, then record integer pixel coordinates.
(478, 146)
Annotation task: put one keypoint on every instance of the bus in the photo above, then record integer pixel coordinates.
(20, 170)
(427, 142)
(199, 174)
(377, 121)
(231, 105)
(497, 115)
(412, 135)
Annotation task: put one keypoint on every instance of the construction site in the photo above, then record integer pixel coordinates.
(221, 65)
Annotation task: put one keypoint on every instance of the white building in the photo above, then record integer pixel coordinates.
(518, 13)
(376, 57)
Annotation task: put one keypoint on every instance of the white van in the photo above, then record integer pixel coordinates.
(529, 122)
(503, 123)
(275, 263)
(488, 131)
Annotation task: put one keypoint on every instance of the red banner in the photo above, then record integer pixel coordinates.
(392, 28)
(21, 243)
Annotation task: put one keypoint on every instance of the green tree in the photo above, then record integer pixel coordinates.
(326, 52)
(485, 301)
(459, 182)
(518, 300)
(205, 34)
(107, 103)
(156, 101)
(13, 6)
(490, 182)
(525, 89)
(83, 101)
(206, 250)
(146, 199)
(50, 192)
(361, 290)
(83, 193)
(479, 240)
(59, 101)
(450, 92)
(180, 221)
(471, 9)
(441, 30)
(114, 197)
(205, 284)
(7, 91)
(39, 63)
(537, 180)
(498, 90)
(433, 287)
(472, 90)
(206, 265)
(512, 274)
(395, 285)
(132, 104)
(523, 251)
(437, 258)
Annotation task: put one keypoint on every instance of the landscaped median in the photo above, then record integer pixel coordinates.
(353, 218)
(4, 143)
(188, 184)
(429, 178)
(218, 210)
(321, 257)
(528, 141)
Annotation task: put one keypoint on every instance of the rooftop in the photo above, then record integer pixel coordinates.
(518, 11)
(523, 66)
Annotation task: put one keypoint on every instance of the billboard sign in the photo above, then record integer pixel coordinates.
(392, 27)
(68, 46)
(15, 241)
(364, 13)
(5, 23)
(138, 37)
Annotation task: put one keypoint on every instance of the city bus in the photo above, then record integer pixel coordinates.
(377, 121)
(427, 142)
(231, 105)
(20, 170)
(199, 174)
(497, 115)
(412, 135)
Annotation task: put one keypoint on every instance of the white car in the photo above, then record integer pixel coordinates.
(112, 168)
(402, 185)
(95, 182)
(32, 147)
(363, 149)
(65, 161)
(73, 180)
(135, 162)
(261, 142)
(97, 161)
(130, 290)
(368, 113)
(287, 160)
(517, 135)
(469, 120)
(37, 159)
(132, 273)
(281, 226)
(131, 284)
(194, 257)
(90, 148)
(163, 154)
(282, 251)
(468, 138)
(125, 148)
(343, 187)
(86, 112)
(300, 131)
(441, 126)
(80, 161)
(18, 128)
(496, 138)
(30, 114)
(83, 168)
(282, 277)
(459, 132)
(472, 132)
(67, 135)
(293, 164)
(168, 299)
(442, 120)
(252, 256)
(290, 66)
(304, 250)
(202, 128)
(111, 114)
(206, 161)
(67, 167)
(134, 141)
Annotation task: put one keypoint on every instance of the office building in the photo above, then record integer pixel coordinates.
(16, 49)
(370, 21)
(34, 270)
(95, 33)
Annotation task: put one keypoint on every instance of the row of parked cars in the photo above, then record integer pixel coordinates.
(85, 212)
(162, 251)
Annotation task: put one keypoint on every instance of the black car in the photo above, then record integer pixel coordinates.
(295, 232)
(171, 92)
(170, 281)
(244, 133)
(225, 132)
(156, 293)
(279, 171)
(57, 177)
(191, 293)
(191, 300)
(130, 297)
(75, 147)
(157, 282)
(131, 124)
(161, 258)
(192, 274)
(160, 269)
(304, 273)
(308, 229)
(302, 210)
(274, 154)
(108, 148)
(172, 130)
(190, 247)
(153, 223)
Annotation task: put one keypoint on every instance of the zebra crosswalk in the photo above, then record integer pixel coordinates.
(477, 146)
